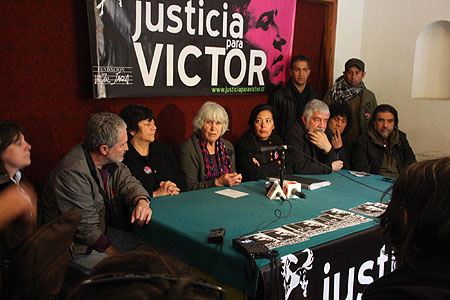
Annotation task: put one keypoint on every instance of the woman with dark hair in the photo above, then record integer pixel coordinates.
(339, 123)
(15, 153)
(252, 163)
(17, 199)
(417, 225)
(29, 252)
(150, 161)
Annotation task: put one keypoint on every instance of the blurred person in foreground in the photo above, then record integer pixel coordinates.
(417, 225)
(25, 251)
(15, 204)
(144, 275)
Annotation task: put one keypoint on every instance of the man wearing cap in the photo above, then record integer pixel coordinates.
(350, 89)
(288, 102)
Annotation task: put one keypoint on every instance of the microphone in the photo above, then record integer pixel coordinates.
(275, 191)
(273, 148)
(293, 189)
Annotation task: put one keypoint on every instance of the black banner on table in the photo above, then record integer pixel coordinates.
(340, 269)
(166, 48)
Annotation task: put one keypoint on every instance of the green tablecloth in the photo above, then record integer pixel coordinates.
(180, 224)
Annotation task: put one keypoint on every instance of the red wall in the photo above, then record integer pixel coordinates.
(46, 86)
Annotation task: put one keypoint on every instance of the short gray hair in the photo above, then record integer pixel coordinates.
(315, 105)
(103, 129)
(211, 111)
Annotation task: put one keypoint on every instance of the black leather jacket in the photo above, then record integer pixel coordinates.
(288, 105)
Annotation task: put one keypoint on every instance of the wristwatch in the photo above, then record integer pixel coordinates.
(144, 198)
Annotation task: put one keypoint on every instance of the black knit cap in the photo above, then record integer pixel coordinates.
(354, 62)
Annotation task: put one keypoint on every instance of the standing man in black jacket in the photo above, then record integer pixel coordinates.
(383, 149)
(289, 101)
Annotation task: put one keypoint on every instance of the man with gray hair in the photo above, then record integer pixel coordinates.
(309, 142)
(92, 179)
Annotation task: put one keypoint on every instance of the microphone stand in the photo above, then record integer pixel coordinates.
(282, 158)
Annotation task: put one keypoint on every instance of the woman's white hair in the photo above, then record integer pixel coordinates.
(211, 111)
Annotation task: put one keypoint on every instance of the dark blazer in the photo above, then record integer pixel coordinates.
(248, 146)
(288, 104)
(4, 181)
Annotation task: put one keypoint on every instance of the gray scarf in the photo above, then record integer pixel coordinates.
(342, 91)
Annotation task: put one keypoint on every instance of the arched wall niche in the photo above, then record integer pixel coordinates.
(431, 76)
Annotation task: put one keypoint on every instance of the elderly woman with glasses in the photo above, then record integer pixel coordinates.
(206, 158)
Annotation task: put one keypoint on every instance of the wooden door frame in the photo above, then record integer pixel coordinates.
(330, 35)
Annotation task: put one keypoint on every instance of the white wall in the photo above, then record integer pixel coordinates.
(431, 76)
(348, 33)
(389, 31)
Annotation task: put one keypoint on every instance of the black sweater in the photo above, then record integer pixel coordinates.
(163, 165)
(247, 148)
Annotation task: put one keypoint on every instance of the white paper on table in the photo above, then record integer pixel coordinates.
(231, 193)
(359, 173)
